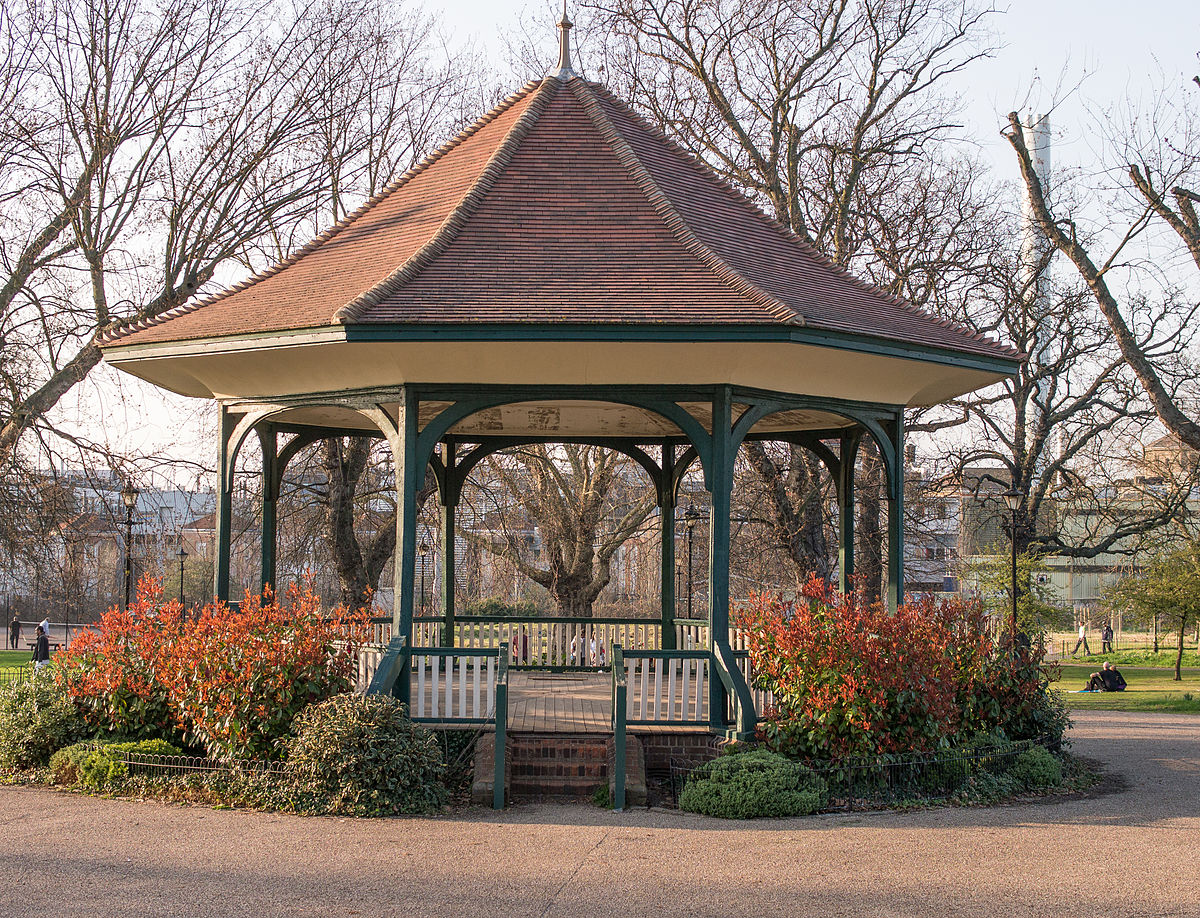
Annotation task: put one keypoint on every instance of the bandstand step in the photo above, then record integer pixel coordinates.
(548, 766)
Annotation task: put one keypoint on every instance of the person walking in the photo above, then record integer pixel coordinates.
(14, 634)
(1106, 638)
(41, 649)
(1082, 642)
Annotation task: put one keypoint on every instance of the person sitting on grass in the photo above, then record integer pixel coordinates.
(1109, 679)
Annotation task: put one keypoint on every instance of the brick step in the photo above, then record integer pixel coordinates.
(557, 764)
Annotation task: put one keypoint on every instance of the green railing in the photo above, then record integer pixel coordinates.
(619, 689)
(554, 643)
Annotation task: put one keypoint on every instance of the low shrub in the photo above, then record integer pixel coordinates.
(851, 678)
(37, 718)
(749, 785)
(102, 765)
(985, 787)
(494, 606)
(1036, 767)
(360, 755)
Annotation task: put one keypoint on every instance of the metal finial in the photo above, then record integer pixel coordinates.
(564, 71)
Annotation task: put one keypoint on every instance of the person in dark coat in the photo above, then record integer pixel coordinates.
(14, 634)
(1106, 638)
(41, 649)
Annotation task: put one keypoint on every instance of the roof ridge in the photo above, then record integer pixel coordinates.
(126, 327)
(448, 231)
(671, 217)
(808, 247)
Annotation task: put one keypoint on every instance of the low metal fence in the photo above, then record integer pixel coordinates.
(181, 766)
(873, 782)
(11, 674)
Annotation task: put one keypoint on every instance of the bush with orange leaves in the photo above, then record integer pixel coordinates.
(850, 678)
(227, 680)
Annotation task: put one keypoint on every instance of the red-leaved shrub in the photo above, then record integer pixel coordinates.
(850, 678)
(229, 680)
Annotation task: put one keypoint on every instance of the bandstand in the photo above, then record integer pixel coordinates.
(562, 272)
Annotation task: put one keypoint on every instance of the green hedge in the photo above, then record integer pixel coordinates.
(360, 755)
(101, 765)
(36, 720)
(748, 785)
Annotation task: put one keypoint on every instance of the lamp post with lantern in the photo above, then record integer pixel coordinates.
(1012, 500)
(129, 496)
(691, 517)
(182, 557)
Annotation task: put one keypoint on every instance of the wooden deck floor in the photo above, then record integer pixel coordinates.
(559, 702)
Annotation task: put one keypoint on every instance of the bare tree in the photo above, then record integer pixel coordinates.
(826, 113)
(1146, 217)
(150, 149)
(583, 501)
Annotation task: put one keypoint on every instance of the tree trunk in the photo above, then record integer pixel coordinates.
(869, 557)
(1179, 654)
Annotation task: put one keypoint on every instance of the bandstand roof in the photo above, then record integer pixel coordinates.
(560, 240)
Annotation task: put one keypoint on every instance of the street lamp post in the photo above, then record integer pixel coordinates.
(691, 516)
(182, 557)
(1012, 500)
(423, 550)
(678, 580)
(129, 495)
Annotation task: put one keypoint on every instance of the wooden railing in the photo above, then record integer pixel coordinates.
(545, 643)
(451, 685)
(762, 699)
(666, 686)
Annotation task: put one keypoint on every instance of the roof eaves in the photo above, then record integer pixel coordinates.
(673, 219)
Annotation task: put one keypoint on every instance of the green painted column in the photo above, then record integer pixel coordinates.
(666, 507)
(718, 546)
(448, 507)
(895, 559)
(223, 517)
(845, 491)
(269, 439)
(404, 447)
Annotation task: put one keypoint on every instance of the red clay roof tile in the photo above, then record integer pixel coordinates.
(561, 205)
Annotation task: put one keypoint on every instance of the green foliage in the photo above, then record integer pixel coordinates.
(986, 787)
(37, 718)
(748, 785)
(361, 756)
(1039, 607)
(1168, 587)
(1036, 767)
(494, 606)
(102, 765)
(601, 797)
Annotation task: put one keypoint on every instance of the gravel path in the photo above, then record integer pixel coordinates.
(1130, 849)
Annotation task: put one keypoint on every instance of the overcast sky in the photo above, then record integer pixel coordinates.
(1109, 49)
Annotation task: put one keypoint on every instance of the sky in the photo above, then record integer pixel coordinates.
(1109, 48)
(1100, 50)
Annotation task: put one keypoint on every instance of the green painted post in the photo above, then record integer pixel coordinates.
(895, 514)
(620, 713)
(447, 573)
(498, 787)
(667, 524)
(405, 452)
(845, 490)
(224, 515)
(269, 439)
(718, 544)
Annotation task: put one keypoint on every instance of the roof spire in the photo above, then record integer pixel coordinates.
(564, 71)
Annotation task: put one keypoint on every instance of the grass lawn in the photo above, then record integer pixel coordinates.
(1150, 689)
(14, 658)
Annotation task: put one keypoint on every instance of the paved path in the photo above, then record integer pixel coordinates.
(1130, 851)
